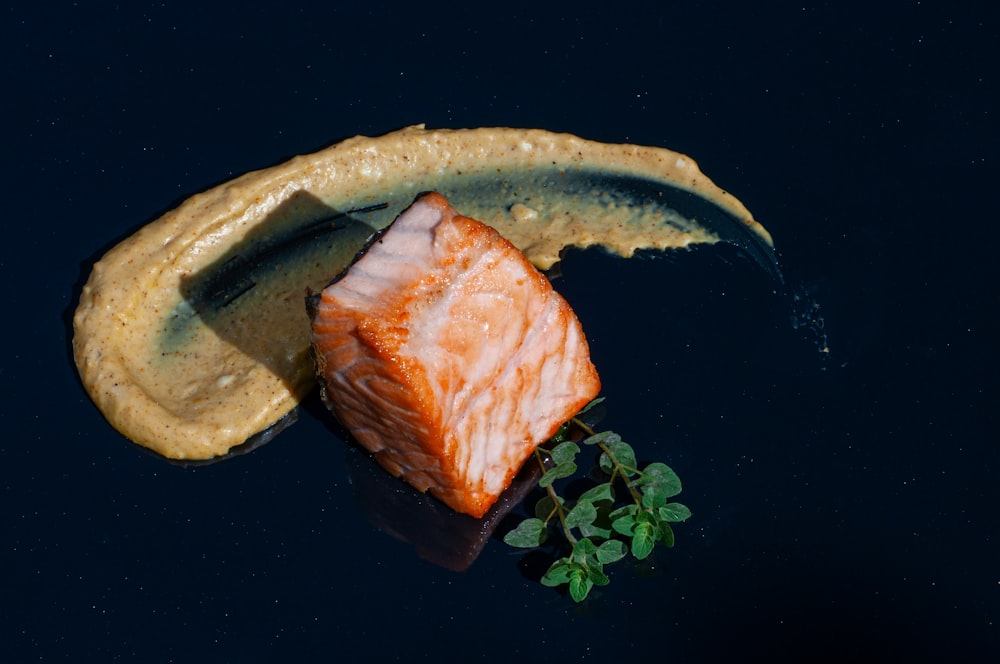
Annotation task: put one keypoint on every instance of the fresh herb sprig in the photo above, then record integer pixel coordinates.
(598, 527)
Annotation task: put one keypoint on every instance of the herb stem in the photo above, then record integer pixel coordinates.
(607, 529)
(558, 507)
(577, 422)
(619, 467)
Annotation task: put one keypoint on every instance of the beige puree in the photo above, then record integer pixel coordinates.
(190, 367)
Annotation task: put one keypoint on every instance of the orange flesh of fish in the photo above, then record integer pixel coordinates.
(448, 356)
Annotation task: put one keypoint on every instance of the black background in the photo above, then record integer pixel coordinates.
(844, 503)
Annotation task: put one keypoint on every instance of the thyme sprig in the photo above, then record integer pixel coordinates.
(598, 527)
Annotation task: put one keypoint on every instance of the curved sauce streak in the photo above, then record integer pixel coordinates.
(191, 335)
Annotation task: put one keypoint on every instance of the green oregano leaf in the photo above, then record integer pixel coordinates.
(653, 495)
(565, 452)
(643, 539)
(611, 551)
(558, 573)
(625, 455)
(595, 531)
(660, 474)
(665, 535)
(674, 512)
(624, 525)
(580, 584)
(558, 472)
(583, 549)
(647, 516)
(605, 437)
(597, 576)
(625, 510)
(606, 464)
(583, 513)
(598, 493)
(528, 534)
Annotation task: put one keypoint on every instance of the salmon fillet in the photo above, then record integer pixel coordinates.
(448, 356)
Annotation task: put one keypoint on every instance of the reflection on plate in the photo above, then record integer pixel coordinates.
(437, 533)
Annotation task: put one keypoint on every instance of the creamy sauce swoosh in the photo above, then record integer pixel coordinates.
(191, 335)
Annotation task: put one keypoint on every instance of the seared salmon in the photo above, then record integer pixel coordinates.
(448, 356)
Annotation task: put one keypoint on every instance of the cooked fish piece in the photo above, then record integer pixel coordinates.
(448, 356)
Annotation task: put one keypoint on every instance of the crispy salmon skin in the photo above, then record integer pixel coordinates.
(448, 356)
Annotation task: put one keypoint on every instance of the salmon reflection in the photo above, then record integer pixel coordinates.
(437, 533)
